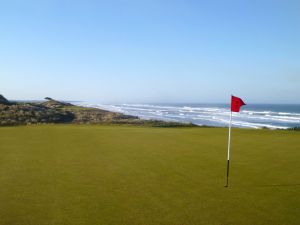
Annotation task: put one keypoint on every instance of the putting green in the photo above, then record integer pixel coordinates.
(68, 174)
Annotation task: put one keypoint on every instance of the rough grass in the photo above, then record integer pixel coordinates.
(68, 174)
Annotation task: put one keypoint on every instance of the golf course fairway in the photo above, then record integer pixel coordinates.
(81, 174)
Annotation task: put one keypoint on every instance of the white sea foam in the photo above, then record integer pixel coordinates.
(204, 115)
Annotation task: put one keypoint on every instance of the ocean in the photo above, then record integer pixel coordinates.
(251, 116)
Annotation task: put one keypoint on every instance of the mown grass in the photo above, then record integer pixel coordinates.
(70, 174)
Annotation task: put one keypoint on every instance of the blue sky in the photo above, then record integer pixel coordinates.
(119, 51)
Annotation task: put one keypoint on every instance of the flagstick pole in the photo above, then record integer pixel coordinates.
(228, 154)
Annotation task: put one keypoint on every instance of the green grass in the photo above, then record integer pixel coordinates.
(69, 175)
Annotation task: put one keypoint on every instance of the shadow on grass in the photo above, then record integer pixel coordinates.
(262, 186)
(279, 185)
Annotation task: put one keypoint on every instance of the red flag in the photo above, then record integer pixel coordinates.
(236, 104)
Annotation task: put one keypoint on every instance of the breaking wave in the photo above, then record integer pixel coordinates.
(255, 116)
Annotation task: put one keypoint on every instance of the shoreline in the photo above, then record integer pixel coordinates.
(208, 115)
(50, 111)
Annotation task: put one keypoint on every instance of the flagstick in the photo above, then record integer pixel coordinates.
(228, 155)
